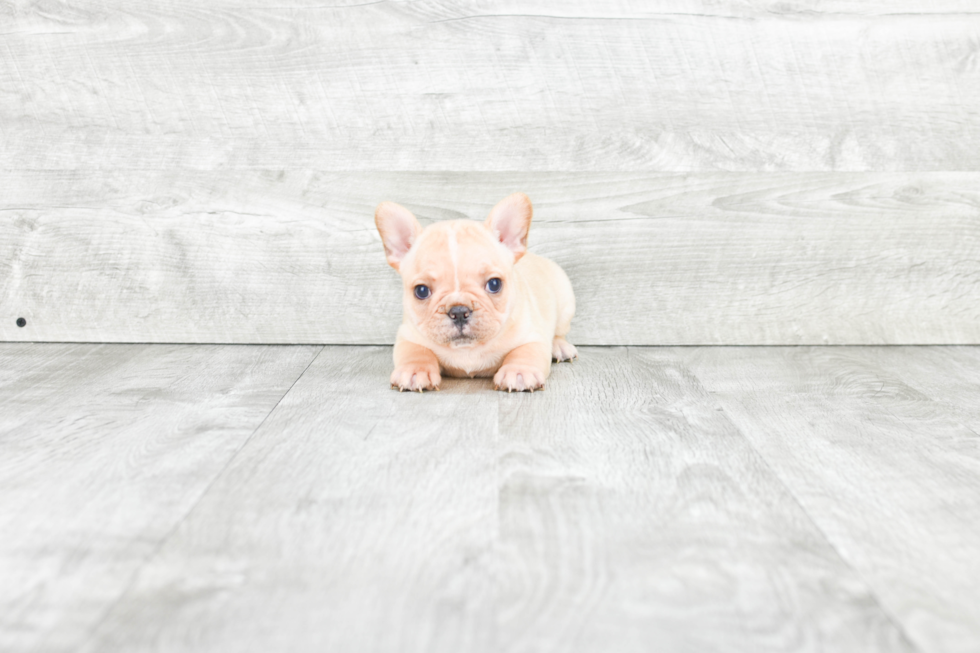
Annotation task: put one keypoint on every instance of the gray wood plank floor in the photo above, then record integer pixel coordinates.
(257, 498)
(103, 451)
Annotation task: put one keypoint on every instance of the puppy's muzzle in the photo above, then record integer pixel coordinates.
(459, 314)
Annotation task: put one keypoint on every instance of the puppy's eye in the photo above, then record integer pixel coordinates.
(421, 291)
(494, 285)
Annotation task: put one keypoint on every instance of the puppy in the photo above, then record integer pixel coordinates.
(476, 303)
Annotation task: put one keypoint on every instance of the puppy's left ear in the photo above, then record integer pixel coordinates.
(510, 220)
(398, 229)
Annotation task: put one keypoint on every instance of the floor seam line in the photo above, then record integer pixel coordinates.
(844, 560)
(197, 502)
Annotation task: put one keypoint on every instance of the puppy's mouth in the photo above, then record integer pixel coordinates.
(461, 339)
(462, 335)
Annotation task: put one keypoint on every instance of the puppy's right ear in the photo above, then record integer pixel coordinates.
(398, 229)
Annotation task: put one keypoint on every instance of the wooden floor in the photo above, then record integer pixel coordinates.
(283, 498)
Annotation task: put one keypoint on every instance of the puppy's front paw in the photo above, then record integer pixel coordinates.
(562, 350)
(416, 377)
(518, 378)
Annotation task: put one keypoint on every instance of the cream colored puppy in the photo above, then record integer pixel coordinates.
(476, 303)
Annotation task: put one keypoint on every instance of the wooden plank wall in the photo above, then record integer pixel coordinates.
(721, 172)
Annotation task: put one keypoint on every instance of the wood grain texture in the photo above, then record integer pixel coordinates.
(683, 85)
(950, 376)
(616, 511)
(103, 451)
(357, 519)
(781, 499)
(293, 257)
(891, 476)
(635, 517)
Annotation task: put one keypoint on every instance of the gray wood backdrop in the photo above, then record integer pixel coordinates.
(708, 172)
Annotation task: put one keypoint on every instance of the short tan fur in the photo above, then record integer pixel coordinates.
(463, 323)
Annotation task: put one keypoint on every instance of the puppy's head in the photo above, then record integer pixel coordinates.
(457, 275)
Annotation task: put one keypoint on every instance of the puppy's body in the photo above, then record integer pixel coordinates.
(489, 307)
(541, 310)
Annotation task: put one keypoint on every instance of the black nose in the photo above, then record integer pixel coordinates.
(459, 314)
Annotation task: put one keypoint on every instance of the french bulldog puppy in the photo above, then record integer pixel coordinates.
(476, 303)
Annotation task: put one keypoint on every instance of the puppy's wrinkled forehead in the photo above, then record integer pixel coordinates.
(458, 246)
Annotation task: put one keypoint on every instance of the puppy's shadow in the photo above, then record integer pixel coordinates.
(455, 386)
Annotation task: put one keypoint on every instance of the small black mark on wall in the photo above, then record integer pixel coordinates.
(21, 322)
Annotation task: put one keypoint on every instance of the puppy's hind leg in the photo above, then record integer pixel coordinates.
(562, 350)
